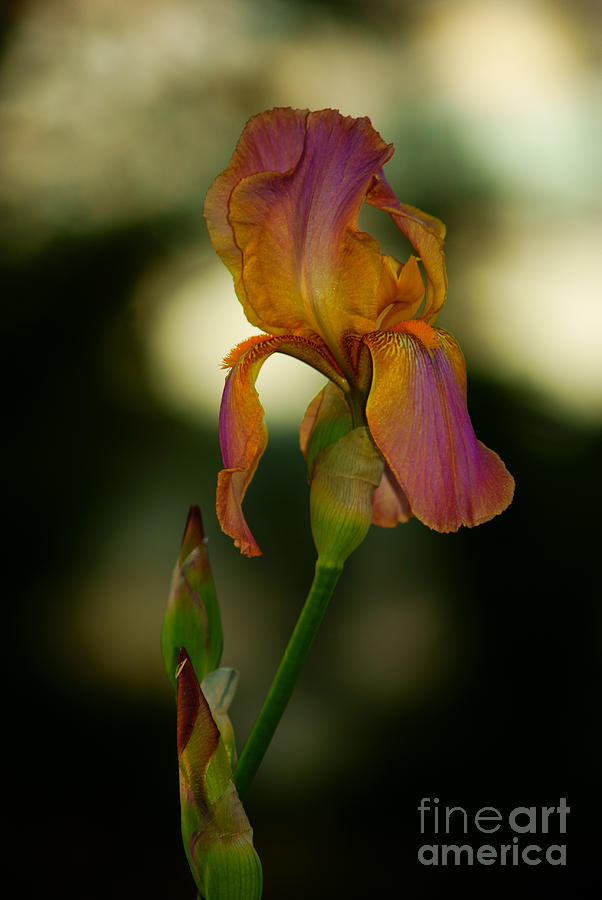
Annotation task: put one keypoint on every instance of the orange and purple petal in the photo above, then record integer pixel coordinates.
(425, 233)
(401, 292)
(306, 269)
(271, 142)
(417, 415)
(243, 435)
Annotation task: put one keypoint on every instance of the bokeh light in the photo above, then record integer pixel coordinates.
(447, 663)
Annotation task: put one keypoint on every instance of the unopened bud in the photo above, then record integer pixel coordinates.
(345, 476)
(192, 618)
(217, 836)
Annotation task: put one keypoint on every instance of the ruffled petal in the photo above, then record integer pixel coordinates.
(390, 505)
(242, 433)
(306, 267)
(271, 142)
(425, 233)
(417, 415)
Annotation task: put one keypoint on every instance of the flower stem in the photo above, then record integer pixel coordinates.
(324, 583)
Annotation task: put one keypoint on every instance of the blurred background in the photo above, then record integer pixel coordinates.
(463, 667)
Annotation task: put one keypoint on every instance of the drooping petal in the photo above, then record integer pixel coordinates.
(306, 267)
(390, 505)
(425, 233)
(243, 436)
(417, 415)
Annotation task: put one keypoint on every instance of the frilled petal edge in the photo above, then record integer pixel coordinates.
(305, 267)
(271, 142)
(417, 415)
(242, 433)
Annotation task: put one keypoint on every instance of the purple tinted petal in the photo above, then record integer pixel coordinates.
(417, 415)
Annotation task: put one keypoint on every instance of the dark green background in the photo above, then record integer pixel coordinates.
(504, 712)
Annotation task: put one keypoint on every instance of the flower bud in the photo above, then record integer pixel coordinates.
(192, 618)
(217, 836)
(345, 475)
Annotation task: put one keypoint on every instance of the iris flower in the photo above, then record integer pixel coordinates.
(283, 218)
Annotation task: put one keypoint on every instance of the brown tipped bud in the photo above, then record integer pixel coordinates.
(192, 618)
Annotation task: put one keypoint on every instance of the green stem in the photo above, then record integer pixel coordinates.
(324, 583)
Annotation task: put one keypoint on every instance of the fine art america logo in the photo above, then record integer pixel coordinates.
(523, 836)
